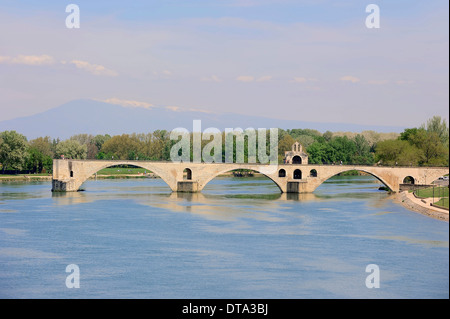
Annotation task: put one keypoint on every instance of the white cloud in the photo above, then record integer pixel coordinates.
(165, 74)
(249, 78)
(245, 78)
(212, 78)
(33, 59)
(173, 108)
(146, 105)
(38, 60)
(303, 80)
(299, 80)
(181, 109)
(264, 78)
(127, 103)
(4, 59)
(194, 109)
(95, 69)
(28, 59)
(350, 78)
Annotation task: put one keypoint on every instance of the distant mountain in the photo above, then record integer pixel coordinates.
(94, 117)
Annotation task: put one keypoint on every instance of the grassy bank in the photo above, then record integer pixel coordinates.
(443, 202)
(440, 193)
(25, 177)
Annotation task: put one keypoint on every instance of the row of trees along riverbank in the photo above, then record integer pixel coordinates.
(427, 145)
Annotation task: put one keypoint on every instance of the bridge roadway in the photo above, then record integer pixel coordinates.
(69, 175)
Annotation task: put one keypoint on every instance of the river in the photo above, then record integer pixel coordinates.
(239, 238)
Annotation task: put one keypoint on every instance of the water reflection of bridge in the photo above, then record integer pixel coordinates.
(69, 175)
(70, 198)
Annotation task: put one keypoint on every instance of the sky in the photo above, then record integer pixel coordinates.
(287, 59)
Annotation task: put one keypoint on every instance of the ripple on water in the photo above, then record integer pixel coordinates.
(25, 253)
(13, 231)
(433, 243)
(8, 211)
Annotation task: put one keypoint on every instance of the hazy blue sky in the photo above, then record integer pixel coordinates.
(289, 59)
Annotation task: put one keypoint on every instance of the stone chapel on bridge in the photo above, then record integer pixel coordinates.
(296, 155)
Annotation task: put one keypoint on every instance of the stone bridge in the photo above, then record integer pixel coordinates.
(69, 175)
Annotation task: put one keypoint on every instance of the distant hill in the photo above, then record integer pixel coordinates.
(94, 117)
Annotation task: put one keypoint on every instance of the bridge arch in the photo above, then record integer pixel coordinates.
(87, 174)
(323, 179)
(409, 180)
(210, 178)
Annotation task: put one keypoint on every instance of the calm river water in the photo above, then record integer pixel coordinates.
(239, 238)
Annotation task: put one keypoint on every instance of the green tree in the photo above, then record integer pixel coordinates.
(43, 145)
(306, 140)
(328, 136)
(54, 143)
(439, 126)
(398, 152)
(343, 148)
(84, 139)
(285, 144)
(319, 153)
(361, 145)
(13, 150)
(159, 141)
(122, 147)
(94, 144)
(408, 134)
(363, 154)
(296, 133)
(328, 149)
(38, 162)
(72, 149)
(431, 141)
(433, 149)
(99, 140)
(40, 154)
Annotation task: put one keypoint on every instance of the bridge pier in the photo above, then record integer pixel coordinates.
(298, 187)
(187, 187)
(64, 186)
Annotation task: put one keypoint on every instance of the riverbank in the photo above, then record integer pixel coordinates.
(25, 178)
(409, 201)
